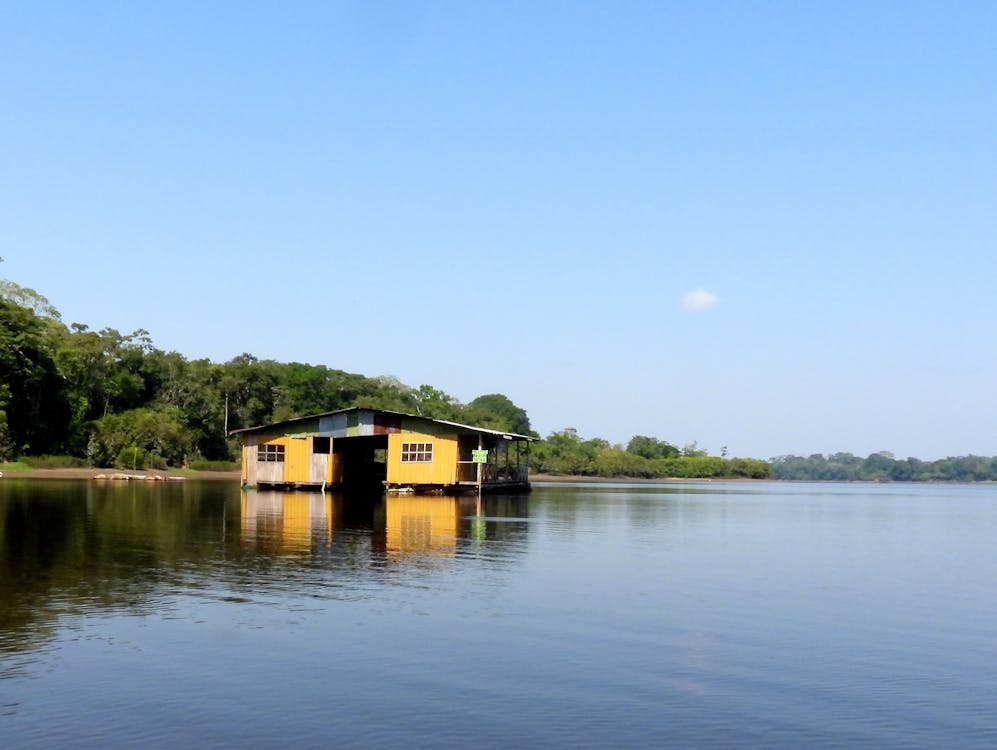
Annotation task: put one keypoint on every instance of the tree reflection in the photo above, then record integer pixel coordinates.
(78, 547)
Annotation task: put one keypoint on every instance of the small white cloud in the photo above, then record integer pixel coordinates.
(700, 299)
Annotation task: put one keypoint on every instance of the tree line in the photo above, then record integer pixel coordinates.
(111, 398)
(884, 467)
(70, 395)
(106, 398)
(643, 457)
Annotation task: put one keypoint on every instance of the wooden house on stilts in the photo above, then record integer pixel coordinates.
(365, 448)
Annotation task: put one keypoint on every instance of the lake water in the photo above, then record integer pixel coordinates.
(602, 616)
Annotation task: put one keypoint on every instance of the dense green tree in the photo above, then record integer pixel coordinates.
(199, 404)
(434, 403)
(253, 400)
(7, 445)
(32, 398)
(105, 371)
(497, 412)
(566, 453)
(650, 447)
(155, 432)
(692, 450)
(27, 298)
(611, 462)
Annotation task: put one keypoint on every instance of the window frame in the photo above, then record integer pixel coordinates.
(268, 453)
(417, 453)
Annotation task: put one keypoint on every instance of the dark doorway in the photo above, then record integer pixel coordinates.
(364, 460)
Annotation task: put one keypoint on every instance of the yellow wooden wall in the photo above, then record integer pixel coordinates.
(297, 456)
(442, 469)
(334, 469)
(265, 472)
(297, 459)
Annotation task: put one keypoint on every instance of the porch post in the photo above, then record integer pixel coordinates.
(480, 465)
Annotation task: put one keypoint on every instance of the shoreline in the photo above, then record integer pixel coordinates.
(87, 473)
(579, 478)
(177, 474)
(109, 474)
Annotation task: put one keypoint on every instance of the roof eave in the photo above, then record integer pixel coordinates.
(483, 430)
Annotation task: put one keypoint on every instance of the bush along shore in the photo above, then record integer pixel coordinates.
(565, 453)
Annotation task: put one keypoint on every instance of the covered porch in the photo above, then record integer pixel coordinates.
(506, 458)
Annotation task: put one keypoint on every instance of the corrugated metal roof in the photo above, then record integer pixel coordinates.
(472, 428)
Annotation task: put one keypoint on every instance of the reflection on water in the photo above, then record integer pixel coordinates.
(293, 519)
(425, 524)
(76, 548)
(399, 525)
(726, 615)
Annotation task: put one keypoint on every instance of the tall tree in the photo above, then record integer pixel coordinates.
(35, 412)
(650, 447)
(497, 412)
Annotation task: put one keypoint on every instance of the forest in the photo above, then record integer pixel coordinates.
(883, 467)
(72, 396)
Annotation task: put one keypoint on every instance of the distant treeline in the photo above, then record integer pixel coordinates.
(883, 467)
(643, 457)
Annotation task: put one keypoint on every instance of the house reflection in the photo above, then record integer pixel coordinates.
(288, 519)
(448, 525)
(394, 526)
(421, 523)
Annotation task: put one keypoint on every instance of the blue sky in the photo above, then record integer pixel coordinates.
(521, 198)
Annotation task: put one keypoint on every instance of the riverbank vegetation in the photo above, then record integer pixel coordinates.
(884, 467)
(115, 399)
(71, 397)
(643, 457)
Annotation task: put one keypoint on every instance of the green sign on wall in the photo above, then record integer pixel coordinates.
(479, 457)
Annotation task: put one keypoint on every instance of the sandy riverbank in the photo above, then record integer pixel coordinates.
(94, 473)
